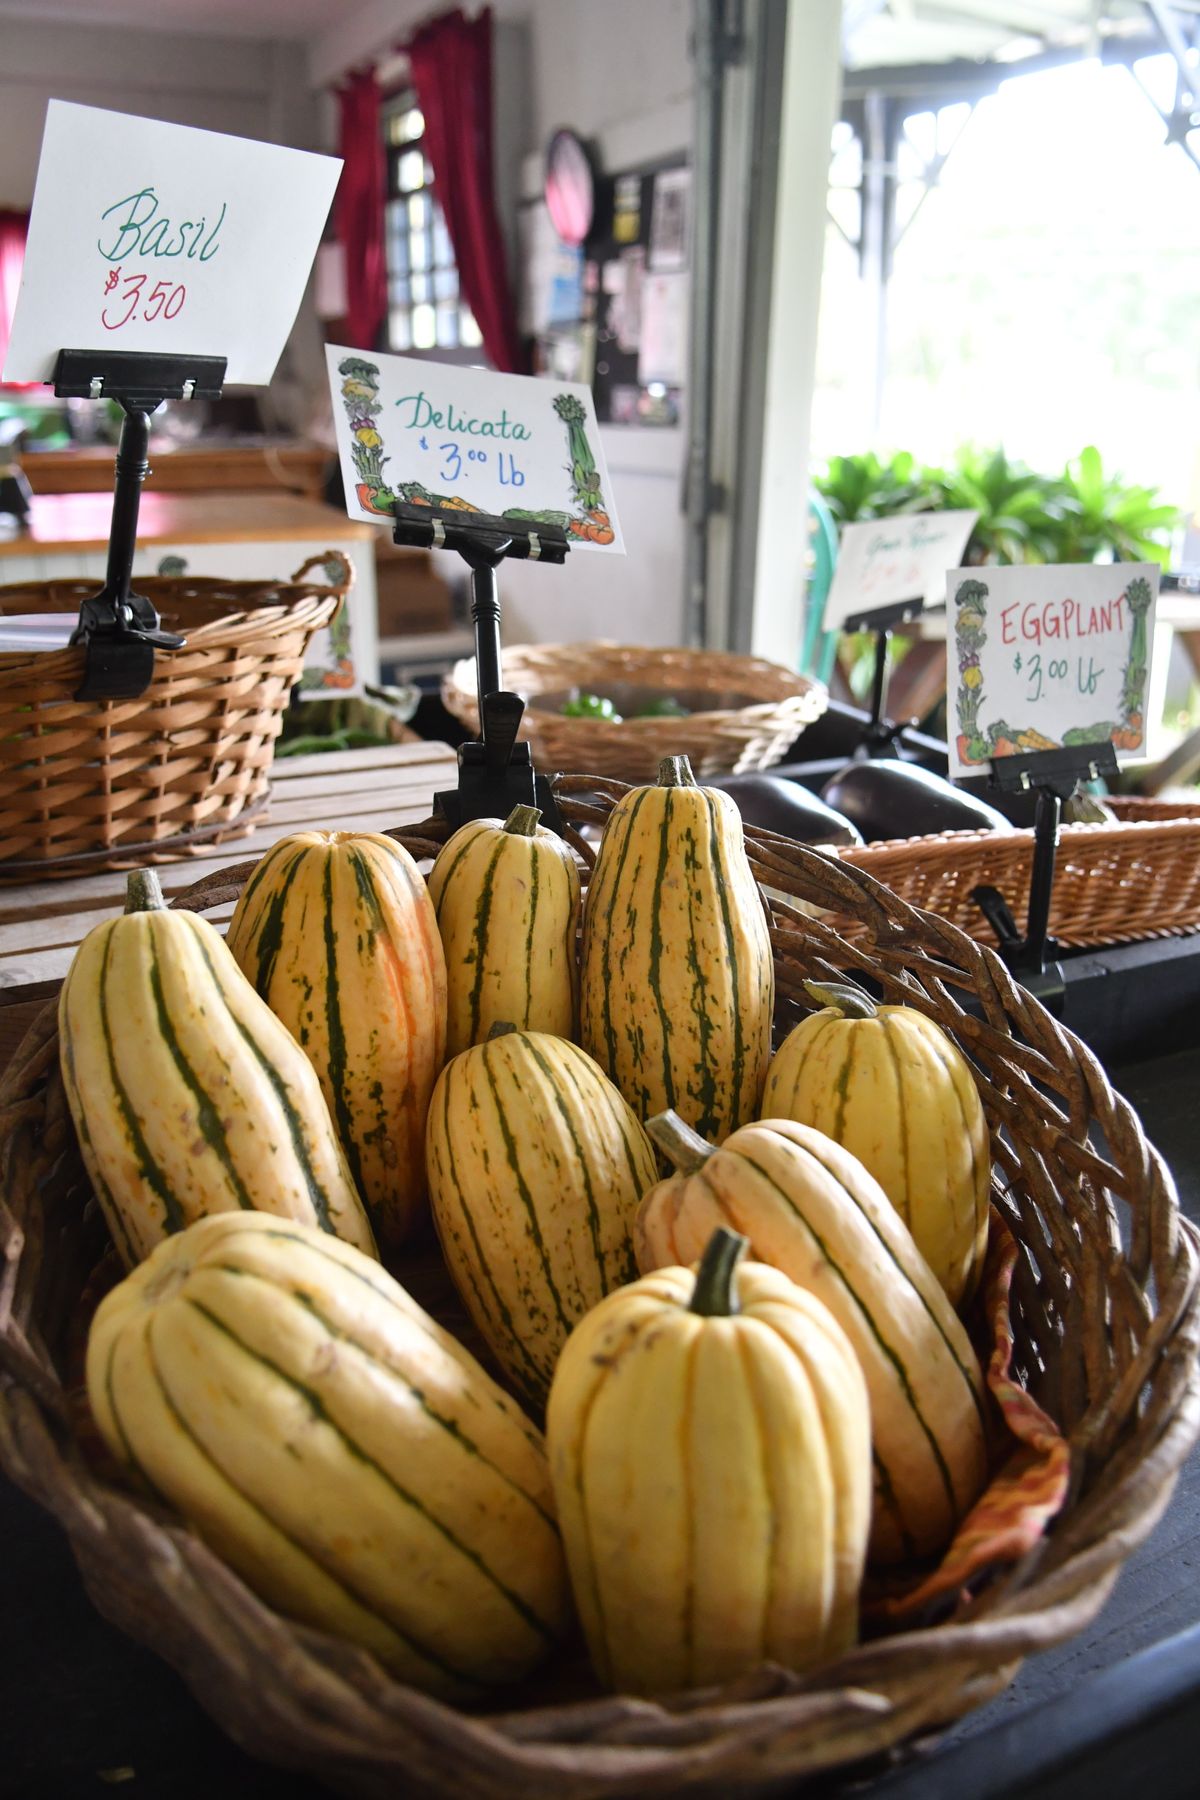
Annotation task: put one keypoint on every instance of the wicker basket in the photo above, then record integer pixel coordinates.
(1106, 1317)
(108, 784)
(1113, 884)
(745, 714)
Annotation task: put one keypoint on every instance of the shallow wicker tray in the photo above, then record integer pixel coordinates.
(1113, 884)
(1106, 1315)
(745, 712)
(108, 784)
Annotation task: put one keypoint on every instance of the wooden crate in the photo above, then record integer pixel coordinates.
(41, 922)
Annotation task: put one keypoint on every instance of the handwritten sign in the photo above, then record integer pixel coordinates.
(882, 562)
(154, 237)
(437, 434)
(1048, 656)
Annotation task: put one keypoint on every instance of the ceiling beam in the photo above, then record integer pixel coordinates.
(963, 78)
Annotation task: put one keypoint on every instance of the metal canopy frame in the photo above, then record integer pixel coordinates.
(877, 104)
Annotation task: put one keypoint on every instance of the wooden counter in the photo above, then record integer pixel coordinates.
(281, 464)
(65, 523)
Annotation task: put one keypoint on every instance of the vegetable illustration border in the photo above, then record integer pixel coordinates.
(977, 745)
(360, 397)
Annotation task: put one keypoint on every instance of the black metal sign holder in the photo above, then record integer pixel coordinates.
(881, 735)
(119, 629)
(1054, 774)
(496, 772)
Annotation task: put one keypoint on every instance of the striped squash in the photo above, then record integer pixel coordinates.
(338, 1449)
(507, 903)
(812, 1211)
(337, 933)
(888, 1084)
(188, 1095)
(710, 1447)
(678, 980)
(536, 1168)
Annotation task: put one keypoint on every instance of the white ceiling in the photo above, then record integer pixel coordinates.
(299, 20)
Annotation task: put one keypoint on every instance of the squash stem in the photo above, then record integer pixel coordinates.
(675, 771)
(143, 892)
(849, 1000)
(682, 1146)
(522, 821)
(501, 1028)
(714, 1295)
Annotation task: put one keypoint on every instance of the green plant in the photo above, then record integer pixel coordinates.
(1020, 512)
(1100, 513)
(1079, 515)
(864, 487)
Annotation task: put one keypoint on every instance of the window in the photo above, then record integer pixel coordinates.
(425, 309)
(1044, 295)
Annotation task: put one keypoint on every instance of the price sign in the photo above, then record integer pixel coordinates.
(1047, 657)
(882, 563)
(437, 434)
(156, 237)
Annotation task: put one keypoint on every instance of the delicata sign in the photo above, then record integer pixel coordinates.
(431, 434)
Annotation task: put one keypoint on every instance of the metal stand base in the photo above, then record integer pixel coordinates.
(1054, 775)
(495, 772)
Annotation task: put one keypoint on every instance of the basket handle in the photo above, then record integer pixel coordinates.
(330, 560)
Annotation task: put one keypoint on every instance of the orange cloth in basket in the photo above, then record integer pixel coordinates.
(1030, 1485)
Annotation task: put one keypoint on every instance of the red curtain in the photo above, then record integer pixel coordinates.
(451, 61)
(362, 196)
(12, 255)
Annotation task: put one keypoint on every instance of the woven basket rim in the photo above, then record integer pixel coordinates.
(1116, 832)
(189, 756)
(793, 687)
(1127, 881)
(330, 1702)
(248, 625)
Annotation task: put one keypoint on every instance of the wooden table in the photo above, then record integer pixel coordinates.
(41, 922)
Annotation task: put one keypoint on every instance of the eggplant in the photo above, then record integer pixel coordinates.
(773, 804)
(889, 799)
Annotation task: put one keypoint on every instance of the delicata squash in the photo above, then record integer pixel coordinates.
(336, 931)
(809, 1209)
(506, 897)
(188, 1095)
(710, 1448)
(889, 1085)
(678, 980)
(336, 1447)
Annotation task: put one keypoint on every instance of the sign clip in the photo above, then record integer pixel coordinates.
(119, 629)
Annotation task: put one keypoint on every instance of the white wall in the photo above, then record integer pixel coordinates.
(628, 89)
(633, 599)
(250, 88)
(618, 72)
(812, 74)
(599, 67)
(595, 62)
